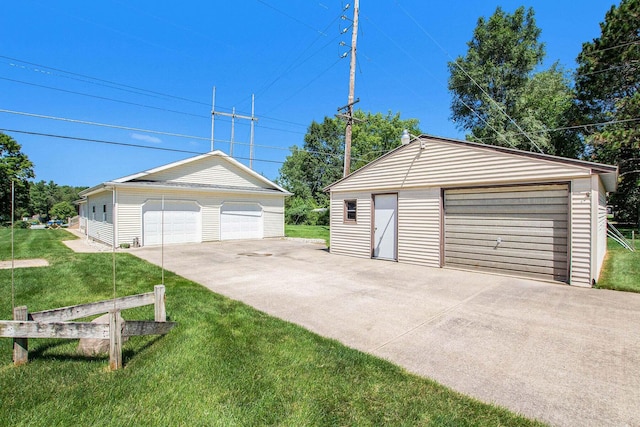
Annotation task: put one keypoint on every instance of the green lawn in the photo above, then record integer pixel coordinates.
(308, 231)
(621, 270)
(225, 364)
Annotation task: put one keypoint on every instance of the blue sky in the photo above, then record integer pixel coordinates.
(151, 66)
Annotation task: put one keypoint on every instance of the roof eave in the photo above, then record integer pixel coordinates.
(148, 185)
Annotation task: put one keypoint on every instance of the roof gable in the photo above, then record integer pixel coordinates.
(433, 161)
(214, 168)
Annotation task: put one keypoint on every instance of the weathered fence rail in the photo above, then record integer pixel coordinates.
(55, 324)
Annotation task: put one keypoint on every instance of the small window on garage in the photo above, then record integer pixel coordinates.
(350, 210)
(93, 213)
(104, 213)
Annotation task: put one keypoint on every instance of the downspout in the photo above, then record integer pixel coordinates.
(115, 217)
(595, 236)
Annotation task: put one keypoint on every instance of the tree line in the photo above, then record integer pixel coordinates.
(40, 200)
(500, 96)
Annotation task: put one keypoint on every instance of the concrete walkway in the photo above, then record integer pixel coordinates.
(564, 355)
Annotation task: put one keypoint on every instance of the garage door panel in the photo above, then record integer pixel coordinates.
(510, 244)
(527, 270)
(241, 221)
(484, 252)
(530, 223)
(494, 223)
(179, 222)
(559, 239)
(484, 203)
(543, 190)
(511, 231)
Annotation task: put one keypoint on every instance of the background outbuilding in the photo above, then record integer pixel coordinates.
(204, 198)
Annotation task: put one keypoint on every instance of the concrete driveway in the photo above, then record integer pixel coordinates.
(564, 355)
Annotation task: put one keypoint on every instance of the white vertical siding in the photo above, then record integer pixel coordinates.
(353, 239)
(602, 226)
(98, 227)
(419, 227)
(581, 238)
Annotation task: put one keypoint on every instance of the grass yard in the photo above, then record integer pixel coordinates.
(308, 231)
(225, 364)
(621, 269)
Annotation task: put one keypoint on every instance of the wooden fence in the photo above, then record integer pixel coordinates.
(55, 324)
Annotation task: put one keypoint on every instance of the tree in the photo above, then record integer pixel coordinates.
(607, 82)
(496, 94)
(62, 210)
(43, 196)
(309, 169)
(14, 166)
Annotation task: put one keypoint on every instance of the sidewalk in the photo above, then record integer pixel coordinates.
(84, 245)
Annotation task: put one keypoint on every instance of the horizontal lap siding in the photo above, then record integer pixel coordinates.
(97, 228)
(352, 239)
(419, 227)
(209, 170)
(521, 230)
(442, 164)
(581, 232)
(273, 211)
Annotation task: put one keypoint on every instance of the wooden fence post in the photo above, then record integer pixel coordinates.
(115, 340)
(160, 311)
(20, 345)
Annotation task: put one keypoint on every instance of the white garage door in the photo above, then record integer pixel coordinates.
(180, 223)
(517, 230)
(241, 221)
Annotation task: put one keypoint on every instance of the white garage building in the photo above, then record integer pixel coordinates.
(447, 203)
(204, 198)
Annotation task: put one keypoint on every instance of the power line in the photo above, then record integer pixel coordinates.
(129, 88)
(123, 144)
(291, 17)
(293, 64)
(421, 65)
(470, 78)
(104, 98)
(83, 122)
(157, 132)
(86, 79)
(306, 85)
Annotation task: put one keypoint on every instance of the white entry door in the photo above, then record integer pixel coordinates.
(384, 226)
(241, 221)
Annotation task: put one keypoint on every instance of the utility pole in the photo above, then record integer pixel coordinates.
(352, 84)
(235, 116)
(213, 108)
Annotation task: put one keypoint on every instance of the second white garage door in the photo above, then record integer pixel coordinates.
(241, 221)
(178, 222)
(518, 230)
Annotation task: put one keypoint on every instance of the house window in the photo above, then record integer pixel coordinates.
(104, 213)
(350, 210)
(93, 213)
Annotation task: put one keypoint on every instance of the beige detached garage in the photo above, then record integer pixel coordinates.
(204, 198)
(447, 203)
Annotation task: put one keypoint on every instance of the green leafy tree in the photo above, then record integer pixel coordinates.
(43, 196)
(607, 82)
(320, 161)
(14, 166)
(62, 210)
(496, 94)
